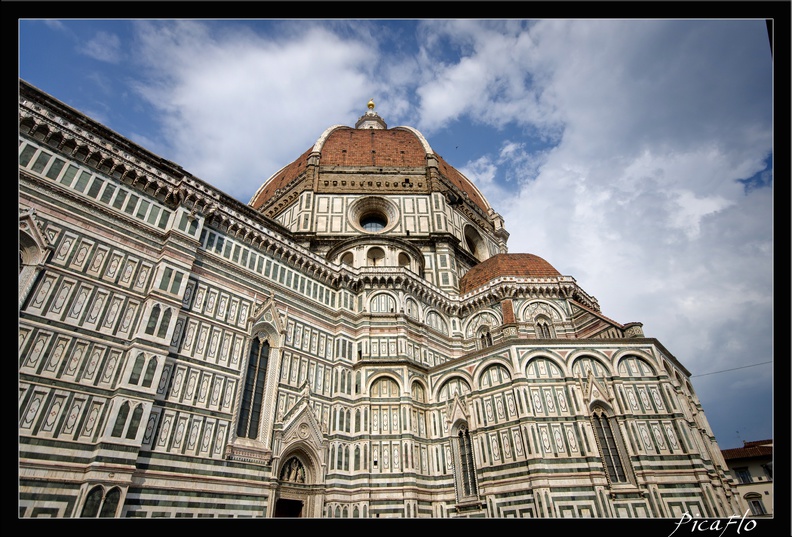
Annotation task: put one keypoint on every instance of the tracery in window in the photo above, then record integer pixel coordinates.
(253, 394)
(484, 337)
(464, 464)
(608, 440)
(544, 328)
(99, 504)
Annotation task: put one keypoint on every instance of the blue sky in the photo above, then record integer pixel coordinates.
(633, 155)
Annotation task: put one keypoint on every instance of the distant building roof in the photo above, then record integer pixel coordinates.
(756, 448)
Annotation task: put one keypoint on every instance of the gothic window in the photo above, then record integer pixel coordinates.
(357, 457)
(137, 369)
(464, 465)
(608, 440)
(544, 328)
(134, 423)
(484, 338)
(121, 421)
(253, 394)
(123, 412)
(163, 327)
(99, 504)
(153, 318)
(150, 371)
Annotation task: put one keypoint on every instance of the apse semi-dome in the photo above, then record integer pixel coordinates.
(503, 265)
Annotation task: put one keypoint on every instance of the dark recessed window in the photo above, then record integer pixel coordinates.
(373, 222)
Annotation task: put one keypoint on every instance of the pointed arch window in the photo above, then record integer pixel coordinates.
(253, 394)
(118, 429)
(97, 503)
(163, 327)
(150, 371)
(137, 369)
(464, 465)
(544, 328)
(609, 446)
(153, 318)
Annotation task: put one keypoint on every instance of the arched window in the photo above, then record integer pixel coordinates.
(485, 337)
(150, 370)
(153, 318)
(347, 259)
(434, 320)
(110, 503)
(163, 327)
(382, 303)
(137, 369)
(134, 423)
(357, 457)
(544, 328)
(99, 504)
(464, 465)
(123, 412)
(609, 445)
(253, 394)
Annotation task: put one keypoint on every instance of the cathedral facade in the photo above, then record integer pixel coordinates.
(354, 342)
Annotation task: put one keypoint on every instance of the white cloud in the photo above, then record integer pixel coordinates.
(236, 106)
(104, 47)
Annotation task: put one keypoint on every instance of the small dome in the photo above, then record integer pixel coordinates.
(500, 265)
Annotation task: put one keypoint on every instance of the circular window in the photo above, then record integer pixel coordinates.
(373, 221)
(373, 214)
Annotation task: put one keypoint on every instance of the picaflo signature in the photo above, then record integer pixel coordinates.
(721, 525)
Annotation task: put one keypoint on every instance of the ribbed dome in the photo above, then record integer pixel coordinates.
(342, 146)
(497, 266)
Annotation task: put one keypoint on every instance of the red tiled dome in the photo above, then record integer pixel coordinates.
(519, 265)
